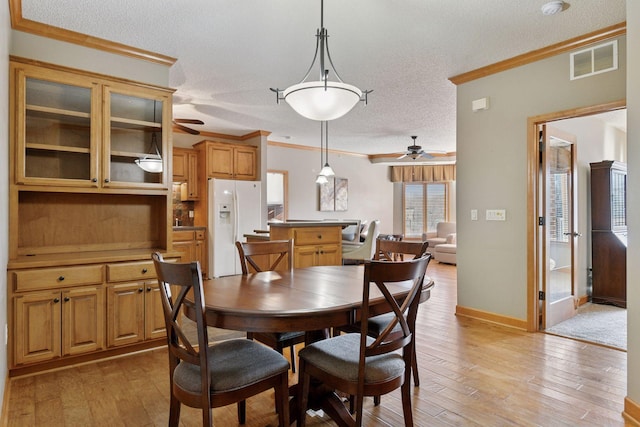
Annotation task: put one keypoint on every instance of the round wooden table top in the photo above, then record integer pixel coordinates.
(304, 299)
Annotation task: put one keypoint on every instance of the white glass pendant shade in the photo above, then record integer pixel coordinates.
(321, 179)
(327, 171)
(316, 102)
(150, 164)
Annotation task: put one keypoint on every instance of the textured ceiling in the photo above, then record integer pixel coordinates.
(230, 52)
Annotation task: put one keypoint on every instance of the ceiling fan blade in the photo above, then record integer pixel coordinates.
(189, 121)
(402, 157)
(186, 129)
(425, 155)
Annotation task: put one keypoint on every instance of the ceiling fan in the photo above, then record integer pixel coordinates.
(177, 124)
(415, 151)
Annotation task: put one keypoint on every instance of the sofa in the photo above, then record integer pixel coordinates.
(443, 242)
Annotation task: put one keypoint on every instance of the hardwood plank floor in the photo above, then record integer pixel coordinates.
(472, 374)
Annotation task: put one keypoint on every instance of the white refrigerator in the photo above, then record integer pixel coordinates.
(234, 210)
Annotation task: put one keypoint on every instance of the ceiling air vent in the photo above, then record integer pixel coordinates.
(594, 60)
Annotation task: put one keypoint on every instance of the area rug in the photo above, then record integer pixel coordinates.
(599, 323)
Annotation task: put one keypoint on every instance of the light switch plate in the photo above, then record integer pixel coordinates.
(474, 214)
(496, 215)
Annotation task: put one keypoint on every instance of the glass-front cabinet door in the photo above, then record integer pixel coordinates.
(56, 129)
(79, 131)
(135, 139)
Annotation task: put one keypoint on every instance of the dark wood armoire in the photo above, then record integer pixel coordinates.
(609, 232)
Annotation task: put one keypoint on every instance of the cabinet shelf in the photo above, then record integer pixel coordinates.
(57, 148)
(133, 123)
(59, 111)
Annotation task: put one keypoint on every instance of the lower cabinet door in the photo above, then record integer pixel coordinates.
(154, 315)
(330, 255)
(125, 314)
(37, 327)
(305, 256)
(82, 320)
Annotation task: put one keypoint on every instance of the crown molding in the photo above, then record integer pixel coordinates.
(19, 23)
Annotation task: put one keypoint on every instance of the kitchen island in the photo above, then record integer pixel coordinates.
(315, 242)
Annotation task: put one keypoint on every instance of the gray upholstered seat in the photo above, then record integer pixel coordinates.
(337, 356)
(233, 364)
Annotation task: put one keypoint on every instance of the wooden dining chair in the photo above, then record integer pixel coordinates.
(206, 376)
(391, 250)
(270, 256)
(361, 365)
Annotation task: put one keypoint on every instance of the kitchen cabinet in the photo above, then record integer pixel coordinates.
(83, 216)
(134, 307)
(77, 130)
(185, 171)
(313, 245)
(609, 233)
(230, 161)
(52, 324)
(134, 313)
(193, 245)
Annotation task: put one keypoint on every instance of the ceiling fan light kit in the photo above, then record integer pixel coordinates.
(322, 99)
(415, 151)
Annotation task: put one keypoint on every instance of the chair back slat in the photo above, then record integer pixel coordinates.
(394, 250)
(282, 248)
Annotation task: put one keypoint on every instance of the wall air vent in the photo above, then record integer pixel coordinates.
(594, 60)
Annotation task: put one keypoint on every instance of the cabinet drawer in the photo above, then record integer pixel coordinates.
(130, 271)
(201, 234)
(182, 236)
(47, 278)
(315, 236)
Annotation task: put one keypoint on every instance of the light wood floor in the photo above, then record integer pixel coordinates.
(472, 373)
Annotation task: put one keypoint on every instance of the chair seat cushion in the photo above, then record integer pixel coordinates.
(339, 355)
(233, 364)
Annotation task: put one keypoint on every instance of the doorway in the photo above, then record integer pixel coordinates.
(542, 262)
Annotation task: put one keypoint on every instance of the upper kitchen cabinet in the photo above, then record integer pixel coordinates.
(230, 161)
(82, 130)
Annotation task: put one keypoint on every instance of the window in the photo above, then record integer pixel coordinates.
(425, 205)
(277, 195)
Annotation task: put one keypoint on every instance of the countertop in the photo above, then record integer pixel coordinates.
(188, 228)
(312, 223)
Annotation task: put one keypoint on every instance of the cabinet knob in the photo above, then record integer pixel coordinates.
(319, 236)
(66, 299)
(144, 271)
(106, 180)
(56, 300)
(140, 290)
(94, 179)
(61, 278)
(148, 288)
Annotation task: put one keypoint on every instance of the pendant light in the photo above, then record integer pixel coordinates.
(151, 162)
(322, 178)
(326, 169)
(322, 99)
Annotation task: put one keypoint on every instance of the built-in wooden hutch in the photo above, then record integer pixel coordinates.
(84, 217)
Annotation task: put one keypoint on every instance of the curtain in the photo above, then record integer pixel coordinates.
(423, 173)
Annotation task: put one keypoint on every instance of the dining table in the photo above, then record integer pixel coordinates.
(311, 299)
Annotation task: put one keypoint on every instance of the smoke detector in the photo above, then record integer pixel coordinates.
(552, 7)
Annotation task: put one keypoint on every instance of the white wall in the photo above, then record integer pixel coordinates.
(596, 141)
(5, 39)
(633, 203)
(370, 189)
(492, 171)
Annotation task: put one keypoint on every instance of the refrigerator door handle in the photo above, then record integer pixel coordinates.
(236, 214)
